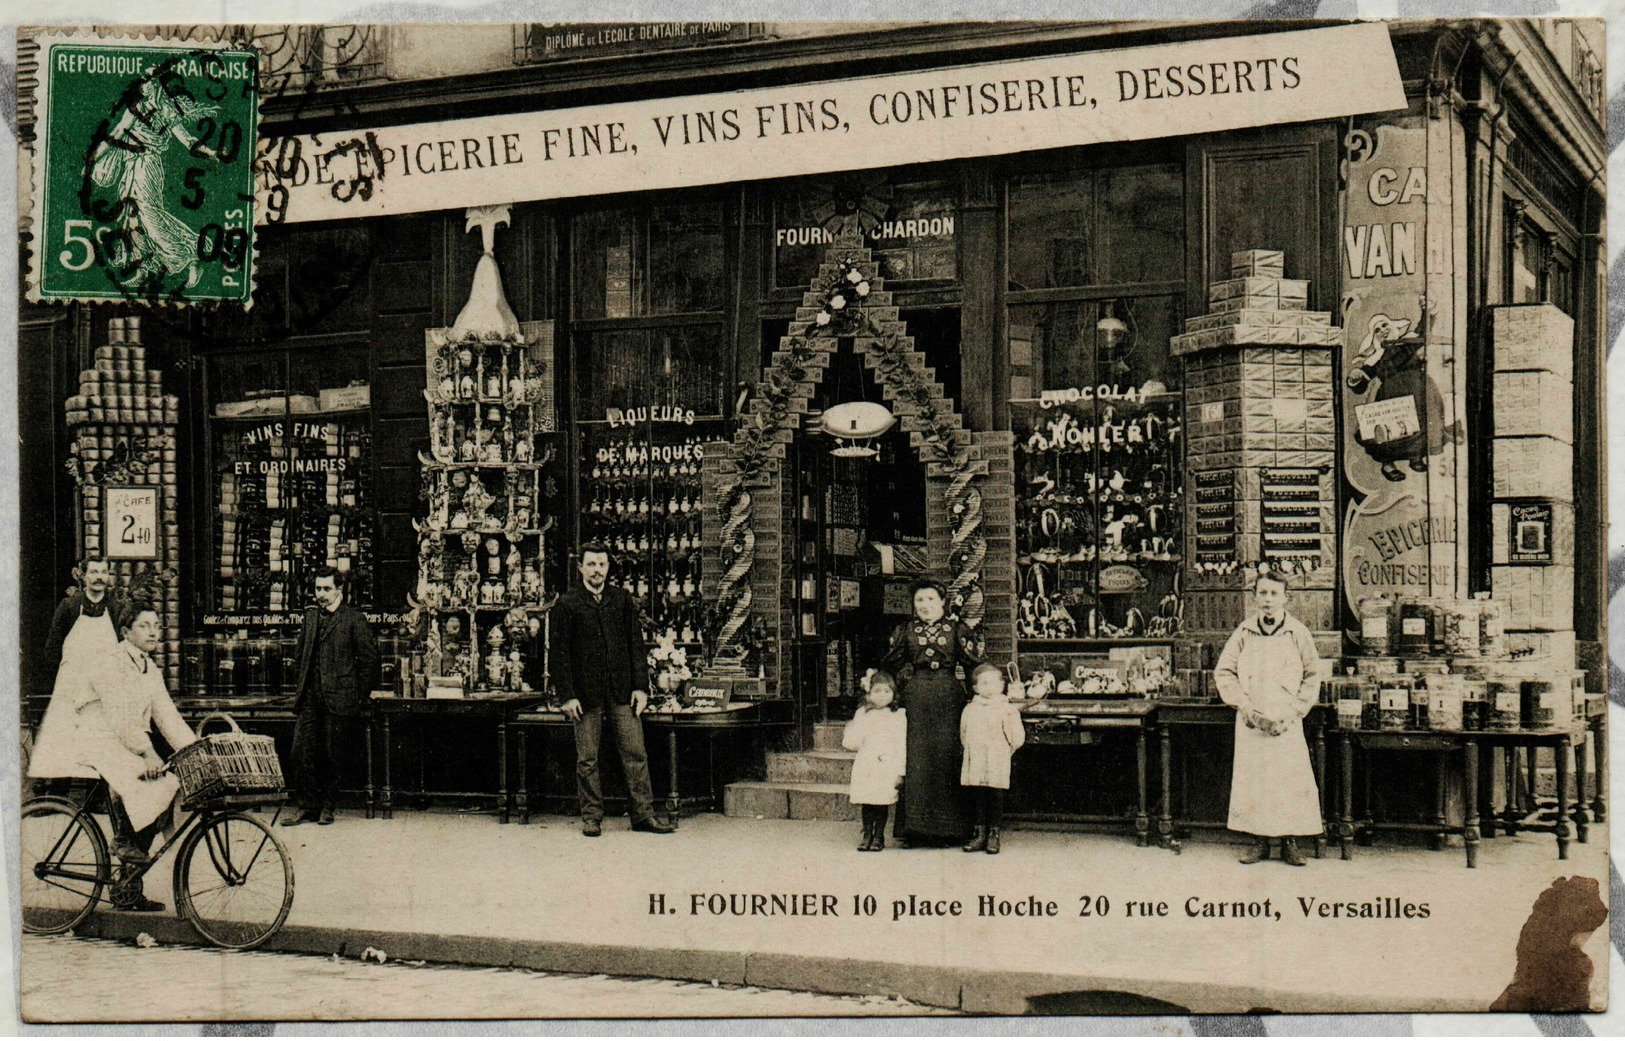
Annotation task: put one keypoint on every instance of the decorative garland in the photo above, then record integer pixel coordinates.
(738, 548)
(842, 313)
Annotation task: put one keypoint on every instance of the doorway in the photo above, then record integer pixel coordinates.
(860, 540)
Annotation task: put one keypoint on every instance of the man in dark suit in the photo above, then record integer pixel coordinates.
(600, 665)
(338, 668)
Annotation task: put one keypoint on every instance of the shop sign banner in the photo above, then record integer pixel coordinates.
(995, 108)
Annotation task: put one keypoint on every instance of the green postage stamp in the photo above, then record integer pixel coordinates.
(143, 176)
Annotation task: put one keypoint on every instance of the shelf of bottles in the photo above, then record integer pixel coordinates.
(640, 498)
(483, 544)
(294, 495)
(1098, 536)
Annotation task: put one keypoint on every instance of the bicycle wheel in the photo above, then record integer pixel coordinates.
(64, 865)
(233, 880)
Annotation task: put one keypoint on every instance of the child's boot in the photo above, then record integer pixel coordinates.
(992, 840)
(1290, 854)
(978, 840)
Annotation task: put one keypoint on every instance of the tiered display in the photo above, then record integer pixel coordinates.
(121, 436)
(482, 548)
(480, 605)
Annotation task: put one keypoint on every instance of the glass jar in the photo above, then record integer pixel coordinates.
(1394, 703)
(1444, 702)
(1376, 624)
(1415, 636)
(1462, 628)
(1491, 626)
(1540, 703)
(1503, 709)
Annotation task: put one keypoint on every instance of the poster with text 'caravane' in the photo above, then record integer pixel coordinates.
(633, 520)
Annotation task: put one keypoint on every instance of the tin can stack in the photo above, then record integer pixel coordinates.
(121, 434)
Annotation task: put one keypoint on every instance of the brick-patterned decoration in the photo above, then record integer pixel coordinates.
(1261, 444)
(121, 433)
(970, 519)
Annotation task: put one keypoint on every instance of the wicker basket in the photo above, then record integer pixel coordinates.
(232, 763)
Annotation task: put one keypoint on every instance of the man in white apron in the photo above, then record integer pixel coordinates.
(81, 632)
(1269, 672)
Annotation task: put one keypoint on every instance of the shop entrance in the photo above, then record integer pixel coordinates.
(860, 540)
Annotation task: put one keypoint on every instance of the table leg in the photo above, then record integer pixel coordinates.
(1486, 793)
(1345, 819)
(371, 800)
(522, 738)
(1165, 820)
(1469, 831)
(1561, 753)
(1319, 763)
(1582, 817)
(1599, 758)
(1513, 767)
(673, 803)
(1440, 782)
(502, 771)
(389, 794)
(1142, 821)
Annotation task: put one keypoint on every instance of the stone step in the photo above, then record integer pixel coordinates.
(786, 800)
(817, 767)
(827, 737)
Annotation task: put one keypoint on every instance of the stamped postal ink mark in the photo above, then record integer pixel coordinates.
(143, 175)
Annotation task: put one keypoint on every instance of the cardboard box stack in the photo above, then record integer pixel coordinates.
(1260, 389)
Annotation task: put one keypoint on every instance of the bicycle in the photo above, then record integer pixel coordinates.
(233, 879)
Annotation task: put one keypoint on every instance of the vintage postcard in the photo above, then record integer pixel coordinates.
(774, 519)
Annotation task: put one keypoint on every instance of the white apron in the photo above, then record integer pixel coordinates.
(116, 703)
(1272, 786)
(90, 639)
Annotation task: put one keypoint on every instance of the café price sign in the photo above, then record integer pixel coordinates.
(132, 523)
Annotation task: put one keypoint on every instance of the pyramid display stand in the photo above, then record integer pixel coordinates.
(481, 597)
(121, 440)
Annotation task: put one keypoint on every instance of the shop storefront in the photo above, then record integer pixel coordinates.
(1351, 340)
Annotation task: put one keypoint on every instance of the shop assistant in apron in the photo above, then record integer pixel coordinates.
(1269, 672)
(81, 633)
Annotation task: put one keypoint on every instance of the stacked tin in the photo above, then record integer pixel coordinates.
(121, 433)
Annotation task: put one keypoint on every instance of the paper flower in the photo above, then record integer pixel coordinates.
(823, 318)
(854, 276)
(863, 288)
(837, 302)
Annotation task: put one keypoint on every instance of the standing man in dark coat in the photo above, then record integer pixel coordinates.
(600, 666)
(338, 668)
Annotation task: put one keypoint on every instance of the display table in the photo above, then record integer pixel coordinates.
(1473, 746)
(1179, 718)
(1070, 722)
(492, 711)
(757, 715)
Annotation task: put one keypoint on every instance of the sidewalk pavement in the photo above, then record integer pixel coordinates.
(451, 887)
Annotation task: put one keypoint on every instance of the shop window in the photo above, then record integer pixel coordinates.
(649, 402)
(911, 226)
(664, 259)
(1098, 419)
(290, 484)
(1108, 226)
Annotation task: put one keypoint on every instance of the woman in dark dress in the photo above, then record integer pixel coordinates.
(930, 656)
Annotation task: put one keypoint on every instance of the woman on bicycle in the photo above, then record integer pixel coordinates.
(119, 697)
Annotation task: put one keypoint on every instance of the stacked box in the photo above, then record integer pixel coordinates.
(1261, 428)
(121, 433)
(1533, 450)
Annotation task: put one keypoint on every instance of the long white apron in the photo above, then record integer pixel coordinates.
(56, 745)
(1272, 787)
